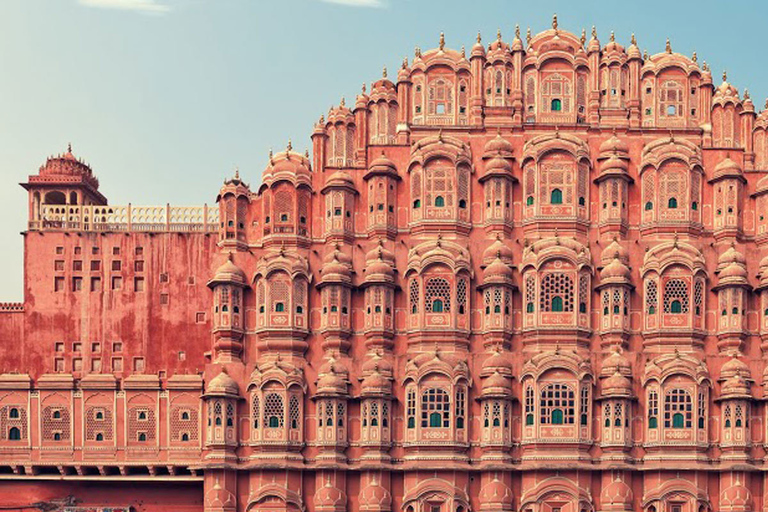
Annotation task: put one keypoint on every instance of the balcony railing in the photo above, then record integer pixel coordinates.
(104, 218)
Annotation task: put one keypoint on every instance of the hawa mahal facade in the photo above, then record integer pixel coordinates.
(530, 277)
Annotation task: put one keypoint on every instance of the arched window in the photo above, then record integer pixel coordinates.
(439, 201)
(557, 105)
(557, 304)
(438, 294)
(437, 306)
(274, 410)
(100, 416)
(435, 408)
(14, 434)
(142, 437)
(556, 197)
(417, 203)
(185, 437)
(279, 307)
(676, 298)
(648, 206)
(13, 413)
(529, 201)
(99, 436)
(672, 203)
(57, 415)
(529, 307)
(557, 417)
(676, 307)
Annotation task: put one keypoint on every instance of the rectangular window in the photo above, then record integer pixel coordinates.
(138, 364)
(117, 346)
(163, 299)
(78, 250)
(58, 365)
(138, 266)
(117, 265)
(200, 317)
(77, 265)
(95, 284)
(77, 284)
(94, 250)
(77, 364)
(138, 284)
(58, 284)
(96, 347)
(59, 250)
(117, 364)
(164, 277)
(58, 265)
(77, 347)
(139, 251)
(96, 365)
(117, 283)
(95, 265)
(115, 251)
(59, 346)
(182, 355)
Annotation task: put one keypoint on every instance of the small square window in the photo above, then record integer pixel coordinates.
(77, 347)
(77, 284)
(191, 280)
(138, 266)
(95, 265)
(117, 346)
(117, 265)
(200, 317)
(96, 347)
(58, 365)
(138, 284)
(96, 365)
(163, 299)
(58, 284)
(440, 108)
(138, 364)
(78, 250)
(95, 284)
(115, 251)
(117, 364)
(117, 283)
(59, 250)
(59, 346)
(94, 250)
(77, 364)
(77, 265)
(58, 265)
(182, 355)
(139, 251)
(163, 277)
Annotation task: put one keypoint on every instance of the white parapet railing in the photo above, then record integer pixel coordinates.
(105, 218)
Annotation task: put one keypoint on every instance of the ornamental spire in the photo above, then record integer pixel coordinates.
(517, 31)
(725, 76)
(479, 38)
(669, 46)
(498, 34)
(384, 72)
(442, 41)
(613, 37)
(583, 38)
(528, 36)
(694, 57)
(554, 21)
(633, 40)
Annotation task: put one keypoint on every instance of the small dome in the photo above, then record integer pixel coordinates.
(733, 367)
(613, 165)
(497, 361)
(382, 165)
(735, 387)
(613, 145)
(733, 271)
(615, 271)
(497, 384)
(496, 493)
(334, 270)
(229, 273)
(332, 378)
(497, 165)
(727, 168)
(613, 250)
(375, 497)
(329, 496)
(377, 384)
(497, 269)
(616, 492)
(376, 363)
(338, 254)
(340, 179)
(616, 362)
(380, 250)
(498, 146)
(498, 249)
(222, 384)
(736, 497)
(617, 385)
(378, 267)
(731, 255)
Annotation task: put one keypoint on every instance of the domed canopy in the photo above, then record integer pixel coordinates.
(617, 492)
(497, 271)
(376, 384)
(497, 384)
(498, 249)
(734, 367)
(727, 168)
(617, 385)
(332, 380)
(382, 165)
(67, 169)
(229, 273)
(497, 166)
(329, 496)
(498, 361)
(498, 147)
(613, 250)
(496, 494)
(339, 179)
(374, 496)
(735, 387)
(616, 362)
(613, 146)
(615, 272)
(222, 385)
(334, 271)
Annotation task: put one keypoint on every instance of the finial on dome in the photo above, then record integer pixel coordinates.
(554, 21)
(384, 72)
(746, 94)
(442, 41)
(306, 154)
(479, 38)
(463, 52)
(69, 147)
(583, 38)
(528, 36)
(322, 119)
(405, 62)
(613, 37)
(363, 89)
(270, 156)
(417, 51)
(766, 103)
(237, 173)
(289, 147)
(498, 34)
(669, 46)
(725, 76)
(440, 135)
(517, 31)
(645, 54)
(695, 57)
(343, 102)
(594, 32)
(633, 40)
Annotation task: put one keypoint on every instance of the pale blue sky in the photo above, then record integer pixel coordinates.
(165, 97)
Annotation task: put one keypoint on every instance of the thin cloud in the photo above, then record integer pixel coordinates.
(142, 6)
(357, 3)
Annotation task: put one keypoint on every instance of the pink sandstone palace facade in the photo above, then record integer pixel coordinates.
(528, 277)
